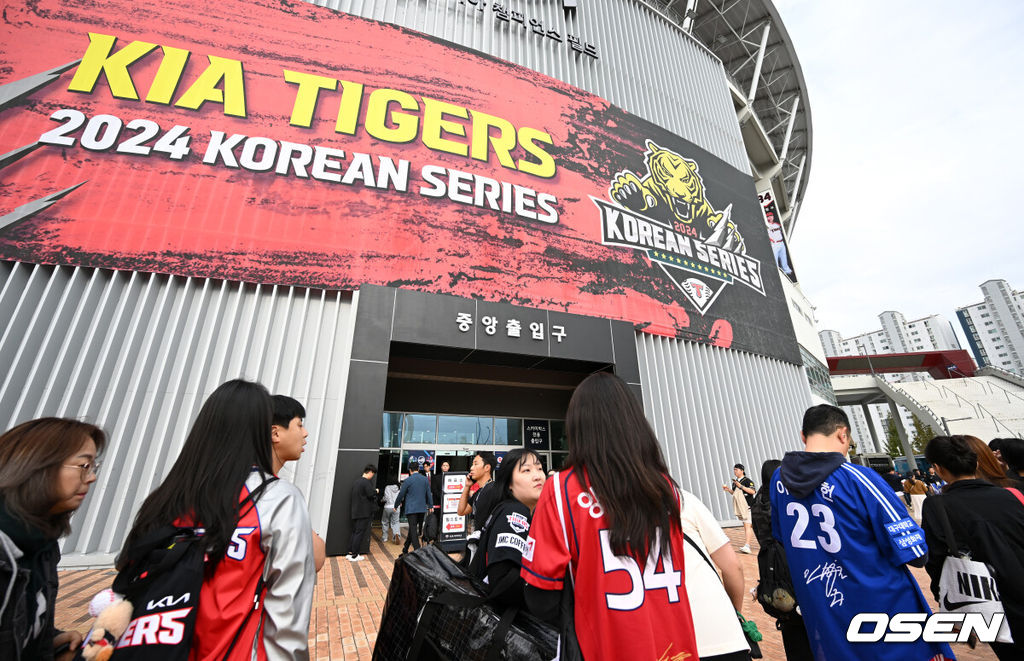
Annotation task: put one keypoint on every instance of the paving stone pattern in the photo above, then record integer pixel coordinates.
(350, 596)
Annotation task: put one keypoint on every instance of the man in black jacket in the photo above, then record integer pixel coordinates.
(894, 482)
(363, 504)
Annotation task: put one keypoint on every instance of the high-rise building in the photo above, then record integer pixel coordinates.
(897, 335)
(995, 327)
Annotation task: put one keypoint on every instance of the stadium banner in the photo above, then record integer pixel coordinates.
(280, 142)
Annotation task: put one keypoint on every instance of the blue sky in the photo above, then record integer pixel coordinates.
(915, 191)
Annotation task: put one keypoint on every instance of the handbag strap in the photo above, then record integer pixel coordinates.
(952, 548)
(701, 552)
(261, 584)
(1017, 494)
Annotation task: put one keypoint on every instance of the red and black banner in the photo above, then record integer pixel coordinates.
(280, 142)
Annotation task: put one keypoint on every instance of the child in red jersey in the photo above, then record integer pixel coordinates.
(607, 527)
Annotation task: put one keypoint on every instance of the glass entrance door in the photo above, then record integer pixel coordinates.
(458, 457)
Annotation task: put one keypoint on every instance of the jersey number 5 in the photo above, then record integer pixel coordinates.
(239, 543)
(827, 523)
(669, 579)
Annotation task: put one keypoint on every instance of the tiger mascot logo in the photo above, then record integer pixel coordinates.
(673, 191)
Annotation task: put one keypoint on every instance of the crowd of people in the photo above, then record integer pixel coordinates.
(612, 533)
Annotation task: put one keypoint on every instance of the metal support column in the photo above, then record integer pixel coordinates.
(688, 14)
(871, 427)
(789, 128)
(902, 431)
(757, 66)
(794, 202)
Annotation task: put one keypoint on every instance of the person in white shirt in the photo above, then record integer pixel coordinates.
(719, 636)
(389, 520)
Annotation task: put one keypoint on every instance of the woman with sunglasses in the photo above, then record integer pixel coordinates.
(46, 469)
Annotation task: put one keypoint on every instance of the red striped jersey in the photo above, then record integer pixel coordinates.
(624, 609)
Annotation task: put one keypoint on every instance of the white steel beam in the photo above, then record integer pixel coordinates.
(789, 128)
(760, 61)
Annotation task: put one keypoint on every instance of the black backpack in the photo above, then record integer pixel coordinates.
(162, 575)
(775, 590)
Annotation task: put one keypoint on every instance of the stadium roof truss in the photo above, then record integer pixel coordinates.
(767, 86)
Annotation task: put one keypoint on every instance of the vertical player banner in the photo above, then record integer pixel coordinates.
(777, 236)
(280, 142)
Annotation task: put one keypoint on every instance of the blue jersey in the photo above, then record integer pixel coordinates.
(847, 543)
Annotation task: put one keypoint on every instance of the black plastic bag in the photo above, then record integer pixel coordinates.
(432, 596)
(430, 527)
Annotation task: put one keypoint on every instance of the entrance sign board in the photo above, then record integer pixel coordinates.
(452, 536)
(538, 435)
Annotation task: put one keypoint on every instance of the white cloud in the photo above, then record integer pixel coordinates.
(913, 196)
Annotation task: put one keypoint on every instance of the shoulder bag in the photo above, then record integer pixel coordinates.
(966, 585)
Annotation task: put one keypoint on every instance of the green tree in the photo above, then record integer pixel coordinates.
(922, 434)
(892, 438)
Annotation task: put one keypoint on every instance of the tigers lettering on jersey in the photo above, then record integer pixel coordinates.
(157, 629)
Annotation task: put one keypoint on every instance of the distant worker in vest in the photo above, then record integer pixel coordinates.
(742, 490)
(415, 495)
(362, 505)
(848, 539)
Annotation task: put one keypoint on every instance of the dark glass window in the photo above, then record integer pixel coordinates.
(419, 428)
(391, 430)
(508, 431)
(558, 440)
(463, 430)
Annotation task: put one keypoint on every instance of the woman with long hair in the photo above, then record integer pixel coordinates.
(607, 527)
(498, 562)
(986, 520)
(254, 526)
(46, 469)
(989, 467)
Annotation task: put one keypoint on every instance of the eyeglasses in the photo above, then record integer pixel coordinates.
(87, 469)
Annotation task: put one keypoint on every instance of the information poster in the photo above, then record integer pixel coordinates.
(453, 527)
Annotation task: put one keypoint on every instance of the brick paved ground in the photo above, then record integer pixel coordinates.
(350, 596)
